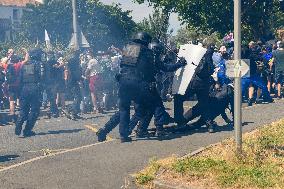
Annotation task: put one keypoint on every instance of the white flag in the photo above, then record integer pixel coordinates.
(47, 39)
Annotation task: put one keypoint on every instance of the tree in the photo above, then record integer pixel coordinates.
(157, 25)
(217, 15)
(185, 35)
(103, 25)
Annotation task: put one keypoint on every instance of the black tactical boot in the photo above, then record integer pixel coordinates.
(18, 129)
(14, 118)
(211, 126)
(228, 121)
(76, 116)
(250, 101)
(268, 100)
(160, 132)
(125, 139)
(258, 101)
(142, 134)
(101, 135)
(28, 133)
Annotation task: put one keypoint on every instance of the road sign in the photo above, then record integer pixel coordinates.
(236, 67)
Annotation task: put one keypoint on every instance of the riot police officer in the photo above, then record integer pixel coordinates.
(31, 79)
(199, 85)
(144, 113)
(74, 80)
(137, 82)
(159, 112)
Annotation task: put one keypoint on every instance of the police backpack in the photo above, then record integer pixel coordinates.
(31, 73)
(134, 54)
(11, 76)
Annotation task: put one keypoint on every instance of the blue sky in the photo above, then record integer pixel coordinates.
(141, 11)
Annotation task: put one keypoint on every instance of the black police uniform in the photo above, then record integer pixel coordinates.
(199, 85)
(136, 80)
(75, 76)
(161, 116)
(30, 93)
(168, 77)
(114, 121)
(50, 83)
(144, 107)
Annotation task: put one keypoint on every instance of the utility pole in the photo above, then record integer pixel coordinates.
(238, 89)
(75, 25)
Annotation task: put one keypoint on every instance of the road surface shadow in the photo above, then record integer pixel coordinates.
(173, 132)
(6, 158)
(60, 132)
(93, 117)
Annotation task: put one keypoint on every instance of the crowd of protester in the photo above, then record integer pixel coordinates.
(97, 82)
(265, 79)
(99, 89)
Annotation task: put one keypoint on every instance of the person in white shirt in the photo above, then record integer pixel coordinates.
(93, 72)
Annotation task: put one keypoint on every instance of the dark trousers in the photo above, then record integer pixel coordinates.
(115, 119)
(138, 91)
(143, 115)
(200, 109)
(76, 94)
(85, 95)
(29, 107)
(258, 82)
(51, 95)
(166, 88)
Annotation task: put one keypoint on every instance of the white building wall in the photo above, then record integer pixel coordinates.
(7, 12)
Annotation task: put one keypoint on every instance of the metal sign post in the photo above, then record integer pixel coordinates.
(75, 25)
(238, 89)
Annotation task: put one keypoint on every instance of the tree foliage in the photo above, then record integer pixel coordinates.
(259, 18)
(185, 35)
(103, 25)
(157, 25)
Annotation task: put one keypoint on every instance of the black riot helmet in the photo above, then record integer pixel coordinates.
(157, 47)
(143, 38)
(36, 54)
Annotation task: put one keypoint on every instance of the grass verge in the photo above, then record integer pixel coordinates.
(261, 164)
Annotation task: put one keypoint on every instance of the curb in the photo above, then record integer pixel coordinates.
(161, 184)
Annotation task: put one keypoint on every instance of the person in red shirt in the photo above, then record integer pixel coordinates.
(12, 79)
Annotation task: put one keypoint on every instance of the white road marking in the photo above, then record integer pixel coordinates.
(50, 155)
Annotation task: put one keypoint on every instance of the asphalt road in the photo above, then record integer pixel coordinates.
(100, 165)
